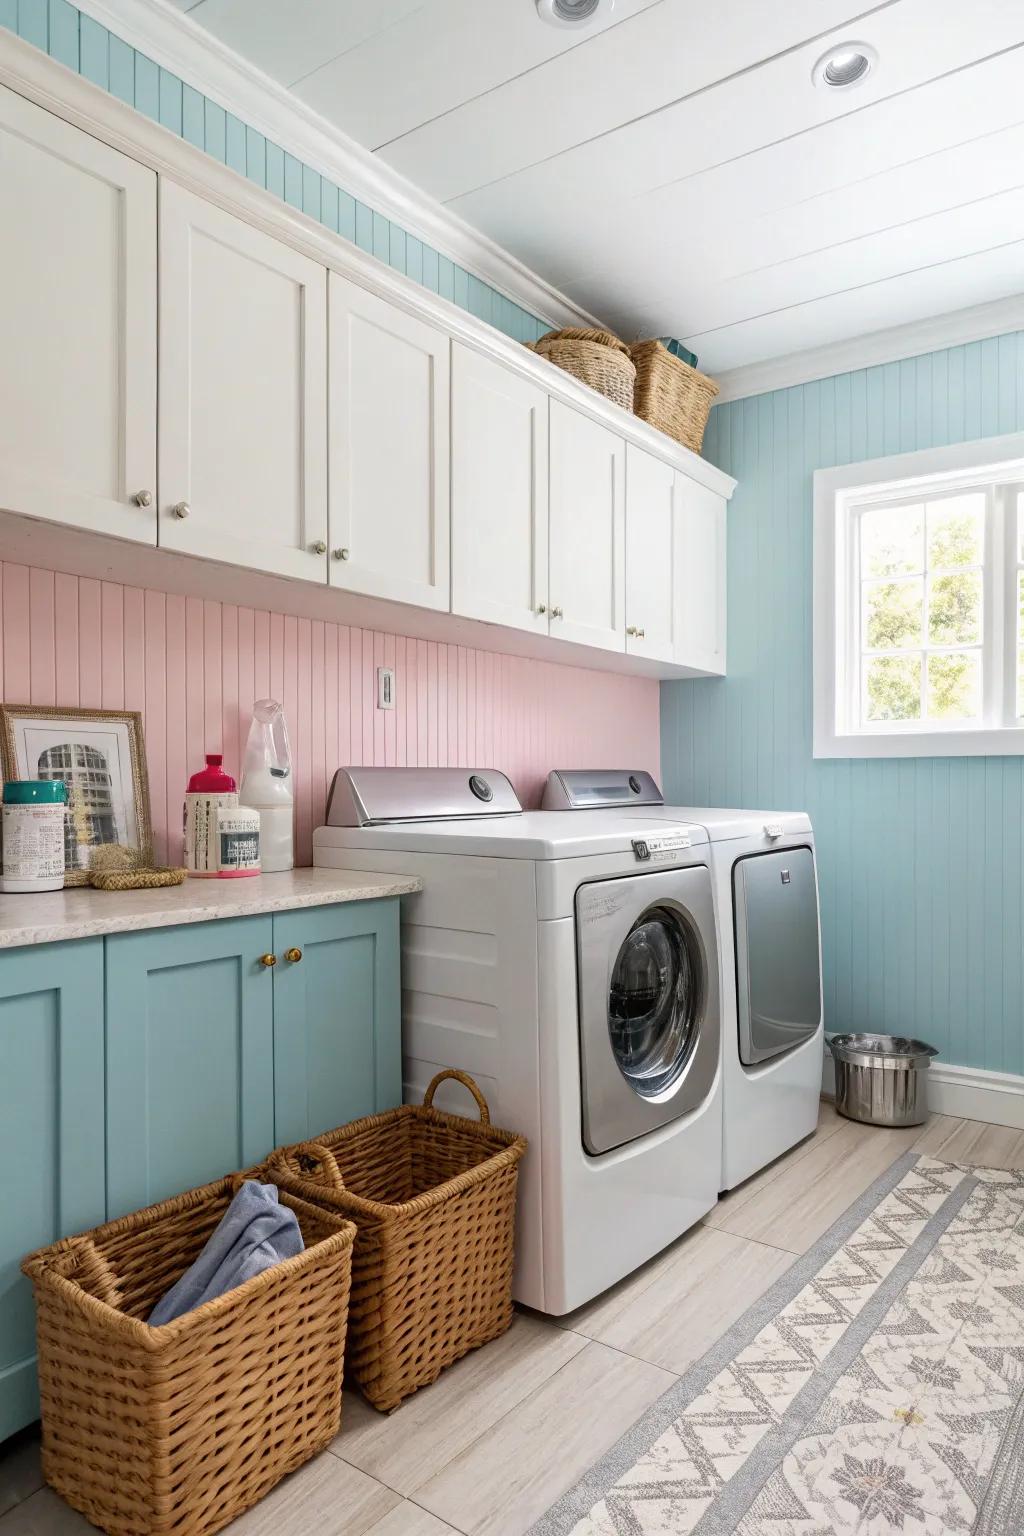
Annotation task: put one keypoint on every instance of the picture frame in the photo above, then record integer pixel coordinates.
(100, 754)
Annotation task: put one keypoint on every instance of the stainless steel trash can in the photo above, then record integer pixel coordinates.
(881, 1079)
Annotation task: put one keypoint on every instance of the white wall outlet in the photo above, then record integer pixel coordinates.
(385, 688)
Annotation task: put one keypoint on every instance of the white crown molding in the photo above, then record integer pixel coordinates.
(966, 1093)
(180, 45)
(889, 346)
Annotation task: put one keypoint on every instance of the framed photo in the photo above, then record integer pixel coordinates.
(99, 754)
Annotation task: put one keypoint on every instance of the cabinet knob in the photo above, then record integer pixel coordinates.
(319, 548)
(556, 613)
(631, 629)
(340, 554)
(294, 954)
(143, 498)
(268, 960)
(641, 634)
(181, 509)
(542, 607)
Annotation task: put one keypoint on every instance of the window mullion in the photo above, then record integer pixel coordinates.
(997, 533)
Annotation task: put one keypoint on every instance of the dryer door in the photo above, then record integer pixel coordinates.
(648, 1002)
(778, 955)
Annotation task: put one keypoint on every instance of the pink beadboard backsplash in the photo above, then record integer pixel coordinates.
(195, 666)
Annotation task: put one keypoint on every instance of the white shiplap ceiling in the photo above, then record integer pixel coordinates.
(672, 168)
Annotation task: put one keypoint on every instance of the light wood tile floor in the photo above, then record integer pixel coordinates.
(506, 1431)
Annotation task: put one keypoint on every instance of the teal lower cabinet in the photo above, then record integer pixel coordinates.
(190, 1057)
(51, 1133)
(138, 1065)
(337, 1002)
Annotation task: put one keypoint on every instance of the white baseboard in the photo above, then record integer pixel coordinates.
(968, 1093)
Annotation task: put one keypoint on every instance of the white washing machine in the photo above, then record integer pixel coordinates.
(770, 950)
(572, 968)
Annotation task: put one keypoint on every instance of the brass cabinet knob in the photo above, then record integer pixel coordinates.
(319, 548)
(556, 613)
(294, 954)
(143, 498)
(268, 960)
(340, 554)
(181, 509)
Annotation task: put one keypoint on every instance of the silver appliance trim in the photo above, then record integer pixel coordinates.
(366, 797)
(592, 789)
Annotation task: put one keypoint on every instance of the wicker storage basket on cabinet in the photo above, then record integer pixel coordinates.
(594, 357)
(182, 1427)
(433, 1197)
(671, 395)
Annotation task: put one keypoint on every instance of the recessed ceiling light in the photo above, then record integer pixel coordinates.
(846, 65)
(571, 13)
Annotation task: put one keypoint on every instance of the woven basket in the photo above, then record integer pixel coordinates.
(433, 1197)
(671, 395)
(596, 358)
(181, 1428)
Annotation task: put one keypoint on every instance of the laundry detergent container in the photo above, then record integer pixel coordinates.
(433, 1197)
(882, 1079)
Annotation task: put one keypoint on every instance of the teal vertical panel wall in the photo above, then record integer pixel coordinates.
(83, 45)
(920, 860)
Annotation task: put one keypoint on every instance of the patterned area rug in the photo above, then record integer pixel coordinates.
(878, 1387)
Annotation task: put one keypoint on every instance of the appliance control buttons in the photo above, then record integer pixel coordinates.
(480, 787)
(634, 783)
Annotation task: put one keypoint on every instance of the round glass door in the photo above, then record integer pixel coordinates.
(655, 1000)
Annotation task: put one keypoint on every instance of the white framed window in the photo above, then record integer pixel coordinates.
(919, 603)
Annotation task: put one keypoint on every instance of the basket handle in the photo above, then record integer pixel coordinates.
(317, 1163)
(91, 1270)
(467, 1082)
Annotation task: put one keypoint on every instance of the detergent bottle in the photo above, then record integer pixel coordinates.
(267, 784)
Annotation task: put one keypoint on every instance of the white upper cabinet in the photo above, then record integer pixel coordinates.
(650, 502)
(389, 450)
(587, 530)
(699, 576)
(243, 392)
(77, 327)
(499, 494)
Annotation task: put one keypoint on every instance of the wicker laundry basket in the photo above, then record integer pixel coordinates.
(433, 1197)
(596, 358)
(671, 395)
(182, 1427)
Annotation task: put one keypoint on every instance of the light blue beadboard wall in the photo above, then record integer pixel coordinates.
(77, 41)
(920, 860)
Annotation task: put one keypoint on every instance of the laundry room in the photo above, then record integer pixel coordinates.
(511, 723)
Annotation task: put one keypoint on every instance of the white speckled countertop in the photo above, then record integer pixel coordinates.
(47, 917)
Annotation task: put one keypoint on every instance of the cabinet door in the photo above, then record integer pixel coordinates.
(337, 1016)
(587, 535)
(389, 419)
(699, 576)
(650, 497)
(499, 494)
(243, 392)
(190, 1078)
(78, 327)
(51, 1133)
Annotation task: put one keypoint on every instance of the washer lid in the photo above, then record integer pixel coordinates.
(361, 796)
(649, 841)
(578, 789)
(722, 823)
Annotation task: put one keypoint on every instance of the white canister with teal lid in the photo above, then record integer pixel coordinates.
(33, 835)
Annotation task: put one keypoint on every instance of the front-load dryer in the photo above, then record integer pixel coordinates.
(766, 894)
(572, 968)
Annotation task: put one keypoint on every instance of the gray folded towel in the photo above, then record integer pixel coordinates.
(254, 1233)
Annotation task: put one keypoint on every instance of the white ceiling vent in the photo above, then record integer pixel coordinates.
(571, 13)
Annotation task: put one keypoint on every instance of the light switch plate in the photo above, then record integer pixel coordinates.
(385, 688)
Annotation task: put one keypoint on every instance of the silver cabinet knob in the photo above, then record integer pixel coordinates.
(181, 509)
(631, 629)
(143, 498)
(556, 613)
(641, 634)
(542, 608)
(319, 548)
(340, 554)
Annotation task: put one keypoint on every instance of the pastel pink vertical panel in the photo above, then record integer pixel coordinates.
(345, 749)
(317, 692)
(213, 700)
(331, 702)
(428, 708)
(17, 635)
(155, 724)
(66, 638)
(90, 654)
(42, 657)
(401, 684)
(179, 766)
(304, 714)
(246, 669)
(355, 694)
(195, 692)
(234, 734)
(276, 653)
(134, 611)
(112, 642)
(261, 656)
(390, 722)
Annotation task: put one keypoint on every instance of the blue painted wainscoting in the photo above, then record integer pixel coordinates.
(919, 859)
